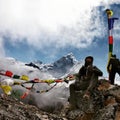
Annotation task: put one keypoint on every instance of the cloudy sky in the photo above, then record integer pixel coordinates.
(49, 29)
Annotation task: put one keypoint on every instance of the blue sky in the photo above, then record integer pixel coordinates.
(49, 29)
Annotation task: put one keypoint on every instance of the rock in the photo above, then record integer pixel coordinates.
(12, 109)
(117, 114)
(106, 113)
(104, 103)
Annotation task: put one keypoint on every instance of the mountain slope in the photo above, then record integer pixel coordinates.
(12, 109)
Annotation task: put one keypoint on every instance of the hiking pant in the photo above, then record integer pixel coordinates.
(112, 77)
(84, 85)
(87, 84)
(73, 88)
(112, 74)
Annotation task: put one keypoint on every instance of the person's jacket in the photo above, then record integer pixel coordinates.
(113, 64)
(88, 71)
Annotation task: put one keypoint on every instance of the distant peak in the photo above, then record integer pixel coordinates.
(67, 59)
(69, 55)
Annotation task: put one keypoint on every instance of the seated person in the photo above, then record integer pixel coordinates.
(86, 79)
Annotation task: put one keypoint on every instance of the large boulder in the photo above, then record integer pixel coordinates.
(103, 104)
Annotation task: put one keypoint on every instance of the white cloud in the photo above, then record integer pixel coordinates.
(59, 22)
(2, 53)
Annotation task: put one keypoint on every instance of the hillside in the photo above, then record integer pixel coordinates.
(104, 104)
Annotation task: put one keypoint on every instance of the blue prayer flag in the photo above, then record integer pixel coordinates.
(111, 23)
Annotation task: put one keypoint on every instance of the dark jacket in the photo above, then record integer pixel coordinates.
(88, 71)
(113, 64)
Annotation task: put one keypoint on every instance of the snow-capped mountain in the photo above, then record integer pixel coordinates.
(60, 67)
(65, 65)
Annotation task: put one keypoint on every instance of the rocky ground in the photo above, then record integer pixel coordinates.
(12, 109)
(104, 104)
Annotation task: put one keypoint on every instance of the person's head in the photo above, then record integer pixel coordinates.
(114, 56)
(88, 60)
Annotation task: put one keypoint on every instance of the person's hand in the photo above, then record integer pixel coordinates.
(90, 68)
(86, 95)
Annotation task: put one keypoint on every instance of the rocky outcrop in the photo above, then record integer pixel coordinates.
(32, 65)
(104, 104)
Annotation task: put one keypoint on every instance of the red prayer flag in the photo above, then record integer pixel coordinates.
(110, 39)
(8, 73)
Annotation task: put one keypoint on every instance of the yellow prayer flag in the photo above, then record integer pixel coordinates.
(24, 77)
(109, 12)
(6, 89)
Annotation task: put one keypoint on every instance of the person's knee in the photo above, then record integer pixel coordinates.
(72, 86)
